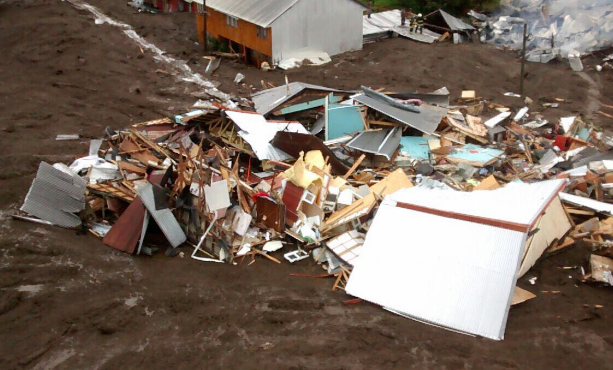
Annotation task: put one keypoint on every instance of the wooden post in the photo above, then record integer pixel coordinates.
(206, 41)
(523, 62)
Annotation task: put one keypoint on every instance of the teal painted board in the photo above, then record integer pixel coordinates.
(415, 147)
(343, 120)
(309, 105)
(476, 154)
(179, 118)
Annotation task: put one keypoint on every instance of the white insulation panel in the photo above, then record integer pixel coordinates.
(452, 273)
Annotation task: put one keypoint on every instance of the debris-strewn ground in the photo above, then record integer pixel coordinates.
(70, 302)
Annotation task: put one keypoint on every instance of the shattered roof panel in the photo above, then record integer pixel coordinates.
(259, 132)
(426, 121)
(259, 12)
(266, 101)
(455, 23)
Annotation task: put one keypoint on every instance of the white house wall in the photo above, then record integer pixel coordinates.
(332, 26)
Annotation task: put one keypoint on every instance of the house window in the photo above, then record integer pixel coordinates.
(262, 33)
(232, 21)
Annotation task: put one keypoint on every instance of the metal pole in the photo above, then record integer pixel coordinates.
(523, 62)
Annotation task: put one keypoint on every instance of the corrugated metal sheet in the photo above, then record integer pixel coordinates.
(163, 217)
(427, 36)
(266, 101)
(55, 195)
(382, 142)
(427, 120)
(455, 23)
(461, 279)
(260, 12)
(380, 23)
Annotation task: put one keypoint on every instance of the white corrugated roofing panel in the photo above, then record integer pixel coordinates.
(55, 195)
(260, 12)
(461, 279)
(380, 22)
(517, 202)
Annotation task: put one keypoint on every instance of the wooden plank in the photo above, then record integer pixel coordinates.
(470, 218)
(354, 167)
(395, 181)
(605, 114)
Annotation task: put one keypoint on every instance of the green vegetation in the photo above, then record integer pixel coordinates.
(216, 45)
(455, 7)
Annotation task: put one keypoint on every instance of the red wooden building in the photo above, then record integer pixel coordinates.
(175, 5)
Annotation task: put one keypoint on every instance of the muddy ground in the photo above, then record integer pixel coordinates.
(69, 302)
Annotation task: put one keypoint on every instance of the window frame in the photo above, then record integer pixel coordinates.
(262, 33)
(231, 21)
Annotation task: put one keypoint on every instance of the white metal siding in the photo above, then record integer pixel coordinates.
(447, 272)
(331, 26)
(517, 203)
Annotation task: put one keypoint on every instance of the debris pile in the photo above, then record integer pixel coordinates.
(347, 178)
(438, 26)
(557, 28)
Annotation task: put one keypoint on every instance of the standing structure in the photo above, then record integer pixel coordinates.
(274, 30)
(174, 5)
